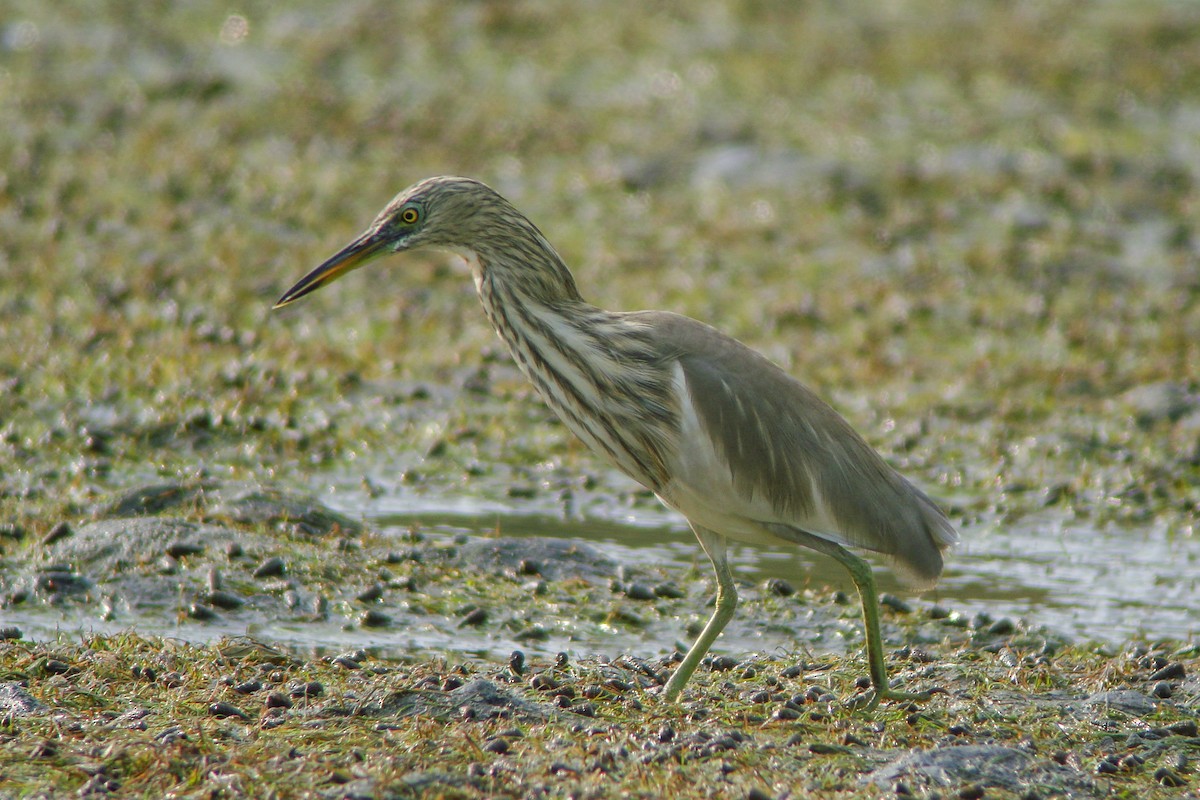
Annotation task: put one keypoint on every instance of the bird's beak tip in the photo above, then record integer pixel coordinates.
(351, 257)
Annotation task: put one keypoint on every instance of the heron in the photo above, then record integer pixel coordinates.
(744, 451)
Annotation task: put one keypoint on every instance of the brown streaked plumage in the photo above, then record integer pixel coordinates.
(740, 448)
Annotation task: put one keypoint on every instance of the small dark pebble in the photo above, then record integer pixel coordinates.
(1185, 728)
(373, 618)
(44, 749)
(1169, 777)
(233, 550)
(723, 663)
(248, 687)
(639, 591)
(758, 794)
(779, 587)
(223, 599)
(543, 683)
(60, 531)
(1171, 672)
(1002, 627)
(498, 746)
(201, 612)
(221, 709)
(9, 530)
(895, 603)
(1162, 690)
(183, 549)
(561, 660)
(99, 784)
(370, 594)
(794, 671)
(939, 612)
(785, 714)
(309, 689)
(666, 734)
(973, 792)
(1105, 767)
(346, 662)
(55, 667)
(1130, 762)
(278, 700)
(669, 590)
(8, 632)
(476, 617)
(529, 566)
(273, 567)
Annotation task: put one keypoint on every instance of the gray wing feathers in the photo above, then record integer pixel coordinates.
(781, 441)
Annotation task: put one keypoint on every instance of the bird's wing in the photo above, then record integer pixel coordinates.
(789, 459)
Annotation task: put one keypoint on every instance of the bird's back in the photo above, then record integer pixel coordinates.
(789, 459)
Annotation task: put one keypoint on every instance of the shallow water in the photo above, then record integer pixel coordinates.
(1112, 584)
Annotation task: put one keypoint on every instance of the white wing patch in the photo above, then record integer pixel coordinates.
(703, 489)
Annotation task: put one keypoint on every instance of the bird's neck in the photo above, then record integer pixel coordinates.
(598, 371)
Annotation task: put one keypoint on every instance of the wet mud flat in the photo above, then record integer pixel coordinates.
(377, 666)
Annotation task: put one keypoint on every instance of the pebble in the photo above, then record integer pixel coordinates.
(779, 587)
(60, 531)
(225, 600)
(723, 663)
(371, 593)
(183, 549)
(271, 568)
(497, 746)
(375, 619)
(201, 612)
(222, 709)
(473, 618)
(639, 591)
(669, 591)
(1171, 672)
(308, 689)
(278, 700)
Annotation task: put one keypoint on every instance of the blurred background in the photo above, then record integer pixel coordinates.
(970, 226)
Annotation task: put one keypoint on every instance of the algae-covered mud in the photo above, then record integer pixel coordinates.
(971, 227)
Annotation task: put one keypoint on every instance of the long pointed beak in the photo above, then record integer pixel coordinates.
(354, 255)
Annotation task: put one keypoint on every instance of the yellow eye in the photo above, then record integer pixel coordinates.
(409, 215)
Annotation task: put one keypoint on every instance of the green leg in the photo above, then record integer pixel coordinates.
(727, 600)
(860, 572)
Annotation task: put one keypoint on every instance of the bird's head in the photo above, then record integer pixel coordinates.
(453, 214)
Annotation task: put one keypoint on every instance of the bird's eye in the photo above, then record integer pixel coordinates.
(409, 215)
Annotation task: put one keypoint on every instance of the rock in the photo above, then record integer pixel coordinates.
(985, 765)
(559, 558)
(113, 546)
(16, 702)
(477, 700)
(1124, 700)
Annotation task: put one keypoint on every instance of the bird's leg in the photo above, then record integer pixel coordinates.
(864, 581)
(727, 600)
